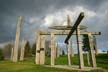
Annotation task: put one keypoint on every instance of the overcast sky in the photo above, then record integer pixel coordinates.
(39, 14)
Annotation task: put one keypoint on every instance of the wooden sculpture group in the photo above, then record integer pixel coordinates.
(40, 42)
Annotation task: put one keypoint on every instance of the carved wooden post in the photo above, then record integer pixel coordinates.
(37, 56)
(79, 45)
(93, 59)
(15, 52)
(22, 50)
(52, 49)
(42, 49)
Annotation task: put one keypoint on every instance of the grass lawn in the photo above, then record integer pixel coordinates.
(29, 66)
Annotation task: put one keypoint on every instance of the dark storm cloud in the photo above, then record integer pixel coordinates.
(11, 9)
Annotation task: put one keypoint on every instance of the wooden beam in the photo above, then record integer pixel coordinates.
(66, 33)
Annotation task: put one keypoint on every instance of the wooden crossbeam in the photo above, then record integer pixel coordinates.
(66, 33)
(79, 19)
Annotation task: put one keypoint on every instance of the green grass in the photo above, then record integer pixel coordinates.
(29, 66)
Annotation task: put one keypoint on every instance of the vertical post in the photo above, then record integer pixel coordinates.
(22, 50)
(69, 55)
(52, 49)
(93, 59)
(58, 50)
(71, 48)
(88, 60)
(12, 53)
(95, 45)
(79, 45)
(37, 56)
(15, 52)
(42, 49)
(55, 48)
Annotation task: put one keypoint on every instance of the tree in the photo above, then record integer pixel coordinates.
(33, 50)
(1, 54)
(7, 50)
(86, 46)
(27, 52)
(63, 52)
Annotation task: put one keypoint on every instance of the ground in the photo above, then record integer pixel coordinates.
(29, 66)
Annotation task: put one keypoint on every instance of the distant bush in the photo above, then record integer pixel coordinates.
(1, 54)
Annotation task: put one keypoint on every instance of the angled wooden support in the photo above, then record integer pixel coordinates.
(81, 16)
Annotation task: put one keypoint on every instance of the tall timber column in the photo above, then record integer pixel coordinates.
(52, 49)
(15, 52)
(69, 55)
(22, 50)
(37, 56)
(79, 44)
(42, 49)
(93, 59)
